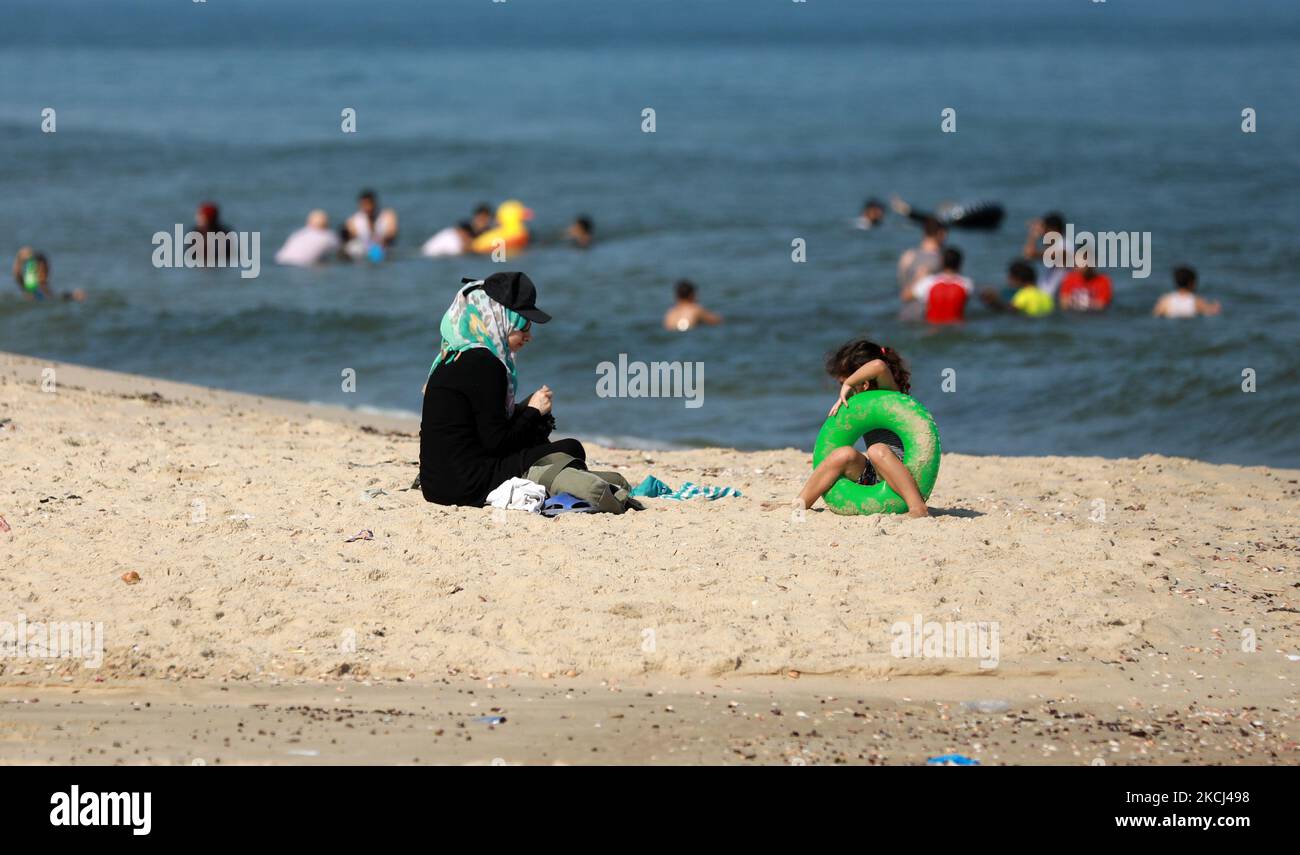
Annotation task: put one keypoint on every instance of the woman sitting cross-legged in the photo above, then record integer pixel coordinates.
(473, 436)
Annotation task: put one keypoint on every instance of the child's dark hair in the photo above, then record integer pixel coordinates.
(1021, 271)
(952, 259)
(684, 289)
(1185, 278)
(849, 357)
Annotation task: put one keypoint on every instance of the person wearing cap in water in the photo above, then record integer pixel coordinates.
(207, 220)
(474, 435)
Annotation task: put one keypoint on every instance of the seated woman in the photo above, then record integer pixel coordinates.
(473, 436)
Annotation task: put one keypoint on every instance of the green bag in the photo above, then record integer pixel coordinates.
(607, 492)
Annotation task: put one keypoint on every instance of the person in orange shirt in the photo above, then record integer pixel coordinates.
(1084, 289)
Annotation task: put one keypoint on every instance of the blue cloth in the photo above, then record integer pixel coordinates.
(653, 488)
(566, 503)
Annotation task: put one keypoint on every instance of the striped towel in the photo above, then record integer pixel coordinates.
(653, 488)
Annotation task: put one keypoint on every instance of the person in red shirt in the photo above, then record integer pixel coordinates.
(1084, 289)
(944, 294)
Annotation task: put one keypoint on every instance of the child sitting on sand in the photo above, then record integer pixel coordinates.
(862, 366)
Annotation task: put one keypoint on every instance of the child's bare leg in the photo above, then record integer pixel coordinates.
(898, 477)
(843, 462)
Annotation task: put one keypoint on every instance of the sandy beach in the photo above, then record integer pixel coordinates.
(1141, 610)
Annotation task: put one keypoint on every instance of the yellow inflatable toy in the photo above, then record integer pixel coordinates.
(510, 230)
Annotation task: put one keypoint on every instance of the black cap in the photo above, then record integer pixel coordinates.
(515, 291)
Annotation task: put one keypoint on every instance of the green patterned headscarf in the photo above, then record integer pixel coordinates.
(476, 320)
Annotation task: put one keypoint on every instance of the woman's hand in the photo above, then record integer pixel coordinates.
(541, 400)
(846, 391)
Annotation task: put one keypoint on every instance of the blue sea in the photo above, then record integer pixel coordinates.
(774, 121)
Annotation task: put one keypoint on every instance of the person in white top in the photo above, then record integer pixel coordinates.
(453, 240)
(1183, 301)
(311, 244)
(921, 290)
(370, 227)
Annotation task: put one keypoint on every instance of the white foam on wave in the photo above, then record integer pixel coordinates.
(367, 409)
(626, 441)
(637, 443)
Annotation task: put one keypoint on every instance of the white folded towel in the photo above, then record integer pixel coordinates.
(518, 494)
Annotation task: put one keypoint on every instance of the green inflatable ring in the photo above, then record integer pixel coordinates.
(880, 410)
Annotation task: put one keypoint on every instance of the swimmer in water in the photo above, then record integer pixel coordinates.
(453, 240)
(873, 214)
(1084, 289)
(1020, 274)
(207, 220)
(1183, 302)
(944, 294)
(1043, 235)
(923, 260)
(686, 312)
(953, 215)
(311, 244)
(32, 275)
(481, 221)
(370, 227)
(1030, 299)
(581, 231)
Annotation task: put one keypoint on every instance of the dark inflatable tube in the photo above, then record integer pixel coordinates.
(977, 215)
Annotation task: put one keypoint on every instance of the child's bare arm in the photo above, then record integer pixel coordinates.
(872, 370)
(905, 262)
(869, 371)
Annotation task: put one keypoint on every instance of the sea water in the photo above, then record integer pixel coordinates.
(773, 121)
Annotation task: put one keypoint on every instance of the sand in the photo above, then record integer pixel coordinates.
(1149, 587)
